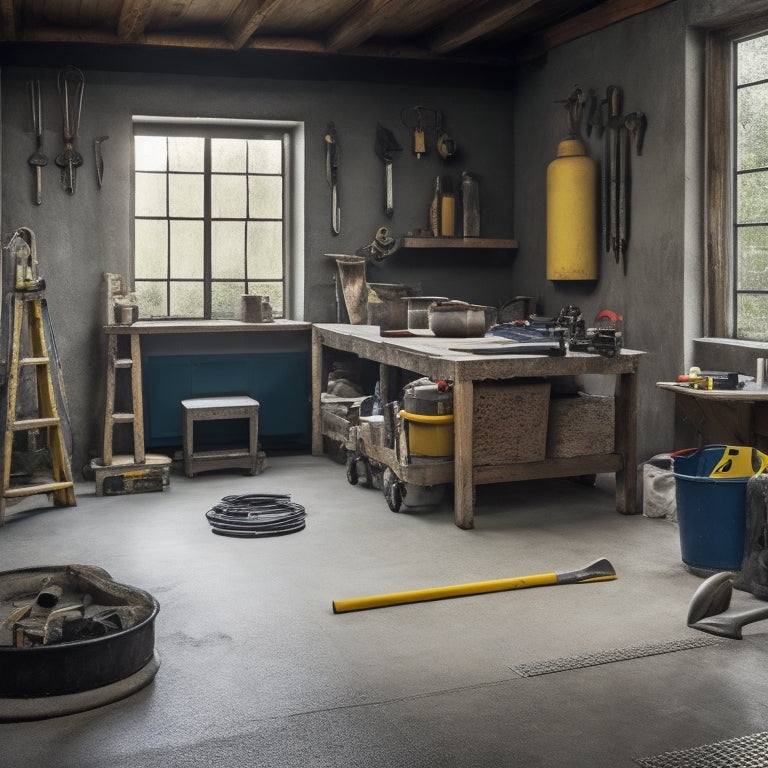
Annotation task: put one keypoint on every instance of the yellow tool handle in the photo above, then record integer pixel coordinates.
(601, 570)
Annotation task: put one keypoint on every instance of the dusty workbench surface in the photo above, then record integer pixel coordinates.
(452, 358)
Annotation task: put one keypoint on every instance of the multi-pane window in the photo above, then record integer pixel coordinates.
(750, 278)
(209, 220)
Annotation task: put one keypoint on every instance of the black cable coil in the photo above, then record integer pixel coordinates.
(256, 514)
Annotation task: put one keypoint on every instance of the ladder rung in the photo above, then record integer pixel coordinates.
(124, 362)
(51, 421)
(122, 418)
(34, 361)
(29, 490)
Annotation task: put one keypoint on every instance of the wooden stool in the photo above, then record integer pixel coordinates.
(218, 408)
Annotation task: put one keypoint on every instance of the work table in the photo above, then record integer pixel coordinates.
(450, 358)
(728, 416)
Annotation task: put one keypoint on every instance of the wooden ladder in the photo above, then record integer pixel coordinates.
(28, 313)
(132, 364)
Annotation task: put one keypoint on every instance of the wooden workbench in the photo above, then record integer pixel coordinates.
(444, 358)
(728, 416)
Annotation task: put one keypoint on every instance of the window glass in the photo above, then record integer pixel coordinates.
(751, 190)
(209, 221)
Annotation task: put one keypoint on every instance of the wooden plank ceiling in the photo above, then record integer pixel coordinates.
(482, 31)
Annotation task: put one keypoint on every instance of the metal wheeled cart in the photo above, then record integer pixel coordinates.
(393, 469)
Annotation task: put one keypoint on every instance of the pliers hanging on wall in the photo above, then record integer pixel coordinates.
(331, 174)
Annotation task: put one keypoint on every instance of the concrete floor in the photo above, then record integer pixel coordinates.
(256, 670)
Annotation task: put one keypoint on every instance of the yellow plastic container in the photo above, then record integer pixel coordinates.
(740, 461)
(572, 214)
(429, 435)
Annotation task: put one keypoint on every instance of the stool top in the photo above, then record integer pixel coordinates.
(226, 401)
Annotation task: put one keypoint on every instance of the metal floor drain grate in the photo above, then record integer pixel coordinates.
(743, 752)
(608, 657)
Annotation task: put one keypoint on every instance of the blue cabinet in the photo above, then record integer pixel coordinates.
(279, 380)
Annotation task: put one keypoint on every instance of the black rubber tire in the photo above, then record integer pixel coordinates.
(392, 491)
(352, 477)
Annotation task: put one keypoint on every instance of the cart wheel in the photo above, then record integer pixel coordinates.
(392, 491)
(351, 469)
(368, 482)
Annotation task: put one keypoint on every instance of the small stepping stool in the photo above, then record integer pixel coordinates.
(216, 409)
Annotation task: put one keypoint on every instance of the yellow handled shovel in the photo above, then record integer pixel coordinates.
(600, 570)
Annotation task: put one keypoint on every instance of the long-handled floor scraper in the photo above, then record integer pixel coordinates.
(709, 608)
(600, 570)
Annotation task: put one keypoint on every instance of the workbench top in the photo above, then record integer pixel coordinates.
(452, 357)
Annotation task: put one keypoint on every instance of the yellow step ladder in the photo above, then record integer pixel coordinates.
(28, 315)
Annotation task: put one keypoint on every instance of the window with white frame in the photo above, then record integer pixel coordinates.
(211, 219)
(737, 183)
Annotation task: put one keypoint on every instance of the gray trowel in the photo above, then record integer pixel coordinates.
(709, 608)
(386, 144)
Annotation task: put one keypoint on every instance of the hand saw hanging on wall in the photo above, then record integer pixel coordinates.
(331, 174)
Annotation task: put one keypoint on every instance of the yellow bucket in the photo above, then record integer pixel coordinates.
(429, 435)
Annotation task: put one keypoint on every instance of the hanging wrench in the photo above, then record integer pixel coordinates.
(37, 159)
(70, 79)
(99, 158)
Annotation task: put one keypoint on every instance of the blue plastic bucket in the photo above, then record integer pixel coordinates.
(711, 511)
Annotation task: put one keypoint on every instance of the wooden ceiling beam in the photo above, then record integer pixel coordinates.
(600, 17)
(467, 29)
(247, 19)
(358, 26)
(134, 15)
(7, 20)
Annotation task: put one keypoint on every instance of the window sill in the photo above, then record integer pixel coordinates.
(733, 343)
(206, 326)
(715, 354)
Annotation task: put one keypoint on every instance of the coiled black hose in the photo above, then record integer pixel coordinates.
(256, 514)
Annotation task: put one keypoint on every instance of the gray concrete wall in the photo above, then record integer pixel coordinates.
(81, 236)
(646, 57)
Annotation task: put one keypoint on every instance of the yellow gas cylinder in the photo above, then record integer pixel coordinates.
(572, 213)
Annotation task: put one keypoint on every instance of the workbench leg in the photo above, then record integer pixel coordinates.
(384, 388)
(463, 483)
(317, 389)
(626, 442)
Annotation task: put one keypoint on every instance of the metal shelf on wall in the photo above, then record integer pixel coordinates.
(478, 243)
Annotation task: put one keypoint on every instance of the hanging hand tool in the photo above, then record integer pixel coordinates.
(419, 141)
(418, 119)
(622, 223)
(332, 175)
(446, 145)
(636, 123)
(71, 82)
(99, 159)
(37, 159)
(594, 114)
(615, 124)
(386, 144)
(383, 246)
